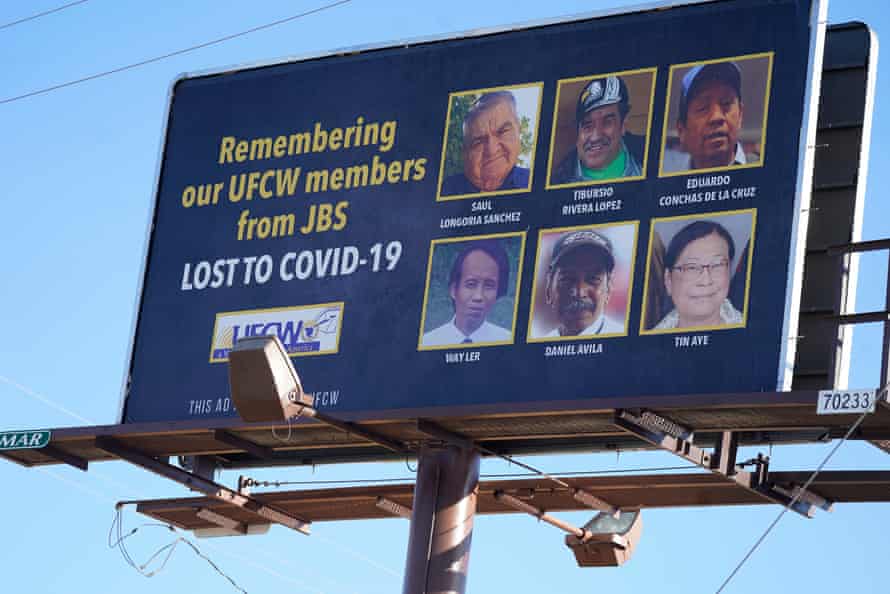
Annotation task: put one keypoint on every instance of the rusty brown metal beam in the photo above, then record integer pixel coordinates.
(756, 483)
(222, 521)
(63, 456)
(202, 485)
(539, 513)
(252, 448)
(354, 429)
(393, 507)
(456, 439)
(6, 456)
(437, 431)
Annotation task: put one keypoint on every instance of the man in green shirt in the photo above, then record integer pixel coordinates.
(601, 150)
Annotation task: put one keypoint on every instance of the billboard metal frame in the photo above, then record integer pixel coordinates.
(848, 296)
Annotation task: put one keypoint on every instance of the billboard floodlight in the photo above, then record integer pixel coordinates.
(608, 541)
(264, 384)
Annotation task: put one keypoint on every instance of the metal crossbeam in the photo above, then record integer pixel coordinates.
(393, 507)
(725, 454)
(456, 439)
(222, 521)
(254, 449)
(390, 444)
(539, 513)
(797, 491)
(647, 426)
(202, 485)
(63, 456)
(450, 437)
(859, 247)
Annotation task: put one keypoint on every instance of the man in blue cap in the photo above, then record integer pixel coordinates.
(710, 119)
(604, 150)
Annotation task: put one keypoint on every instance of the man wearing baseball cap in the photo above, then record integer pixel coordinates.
(579, 283)
(710, 119)
(602, 143)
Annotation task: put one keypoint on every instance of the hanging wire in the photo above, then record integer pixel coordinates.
(289, 431)
(256, 483)
(40, 14)
(791, 503)
(179, 52)
(117, 536)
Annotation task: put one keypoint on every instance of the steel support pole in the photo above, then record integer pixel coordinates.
(885, 355)
(442, 521)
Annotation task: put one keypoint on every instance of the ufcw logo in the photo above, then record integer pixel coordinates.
(303, 330)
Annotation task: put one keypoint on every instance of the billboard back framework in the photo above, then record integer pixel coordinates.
(381, 212)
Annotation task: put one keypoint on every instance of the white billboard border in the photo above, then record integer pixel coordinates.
(802, 195)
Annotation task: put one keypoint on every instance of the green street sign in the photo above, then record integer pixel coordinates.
(20, 440)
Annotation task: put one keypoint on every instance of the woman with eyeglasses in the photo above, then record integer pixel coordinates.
(697, 276)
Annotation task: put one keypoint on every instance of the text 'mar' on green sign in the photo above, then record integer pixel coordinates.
(18, 440)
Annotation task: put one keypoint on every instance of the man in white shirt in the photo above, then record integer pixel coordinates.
(479, 277)
(579, 284)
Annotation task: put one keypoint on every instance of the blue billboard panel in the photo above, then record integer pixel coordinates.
(604, 207)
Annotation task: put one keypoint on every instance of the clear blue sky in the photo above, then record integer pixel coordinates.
(78, 170)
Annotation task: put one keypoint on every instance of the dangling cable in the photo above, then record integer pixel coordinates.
(117, 536)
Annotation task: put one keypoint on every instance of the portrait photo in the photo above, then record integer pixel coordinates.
(489, 142)
(698, 271)
(716, 115)
(582, 283)
(471, 291)
(601, 129)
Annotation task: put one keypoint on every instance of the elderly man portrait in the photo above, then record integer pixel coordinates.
(604, 149)
(710, 120)
(579, 284)
(479, 277)
(491, 146)
(697, 277)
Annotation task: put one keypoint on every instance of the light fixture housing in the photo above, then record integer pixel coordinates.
(264, 384)
(608, 541)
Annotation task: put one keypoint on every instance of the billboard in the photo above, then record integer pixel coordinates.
(604, 206)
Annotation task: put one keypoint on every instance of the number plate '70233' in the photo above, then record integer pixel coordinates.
(845, 402)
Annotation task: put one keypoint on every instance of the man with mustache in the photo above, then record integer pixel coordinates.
(604, 150)
(491, 147)
(579, 283)
(710, 119)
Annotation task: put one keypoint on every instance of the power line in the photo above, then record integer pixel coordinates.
(40, 14)
(29, 392)
(358, 555)
(285, 577)
(216, 41)
(525, 466)
(406, 479)
(791, 503)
